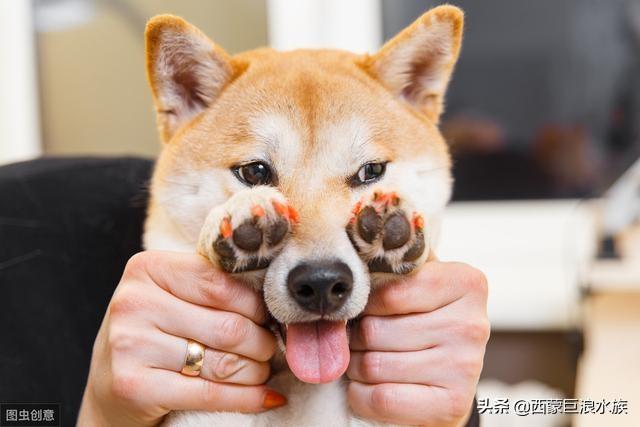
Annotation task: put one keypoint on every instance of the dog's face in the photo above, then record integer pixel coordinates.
(323, 127)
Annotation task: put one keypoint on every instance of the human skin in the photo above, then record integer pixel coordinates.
(418, 368)
(162, 299)
(417, 352)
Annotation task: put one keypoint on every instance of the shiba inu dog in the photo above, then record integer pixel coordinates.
(312, 175)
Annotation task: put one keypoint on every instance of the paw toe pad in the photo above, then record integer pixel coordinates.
(369, 224)
(397, 231)
(254, 242)
(386, 237)
(248, 236)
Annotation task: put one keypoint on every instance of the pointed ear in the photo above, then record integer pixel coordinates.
(185, 69)
(417, 63)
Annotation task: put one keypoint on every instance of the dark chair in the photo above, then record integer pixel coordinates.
(67, 228)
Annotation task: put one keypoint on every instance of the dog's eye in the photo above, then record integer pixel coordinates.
(256, 173)
(369, 172)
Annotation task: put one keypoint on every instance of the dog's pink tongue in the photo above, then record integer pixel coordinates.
(317, 352)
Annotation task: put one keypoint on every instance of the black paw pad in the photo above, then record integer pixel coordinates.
(369, 224)
(379, 265)
(277, 231)
(253, 243)
(248, 236)
(417, 249)
(386, 236)
(225, 253)
(397, 231)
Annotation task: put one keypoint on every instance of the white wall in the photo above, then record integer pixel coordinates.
(535, 254)
(19, 122)
(354, 25)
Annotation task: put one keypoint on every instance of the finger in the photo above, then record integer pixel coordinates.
(179, 392)
(192, 278)
(445, 368)
(219, 330)
(408, 404)
(231, 368)
(220, 366)
(436, 285)
(460, 322)
(377, 333)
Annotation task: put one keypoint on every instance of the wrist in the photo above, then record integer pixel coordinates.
(94, 412)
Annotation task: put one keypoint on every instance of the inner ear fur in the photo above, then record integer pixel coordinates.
(185, 69)
(416, 65)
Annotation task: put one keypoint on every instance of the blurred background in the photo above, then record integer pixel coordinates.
(543, 120)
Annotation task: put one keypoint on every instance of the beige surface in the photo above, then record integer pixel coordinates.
(610, 366)
(614, 275)
(95, 98)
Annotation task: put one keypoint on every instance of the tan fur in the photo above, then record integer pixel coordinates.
(308, 87)
(428, 49)
(317, 116)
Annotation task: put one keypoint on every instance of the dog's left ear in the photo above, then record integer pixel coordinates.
(416, 65)
(185, 69)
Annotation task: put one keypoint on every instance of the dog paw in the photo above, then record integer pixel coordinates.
(388, 233)
(248, 231)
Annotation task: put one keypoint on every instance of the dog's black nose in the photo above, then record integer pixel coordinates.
(322, 286)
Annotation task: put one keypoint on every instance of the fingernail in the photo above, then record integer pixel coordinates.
(293, 214)
(273, 399)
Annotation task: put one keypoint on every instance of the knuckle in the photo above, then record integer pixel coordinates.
(137, 263)
(432, 276)
(384, 399)
(369, 327)
(394, 297)
(232, 330)
(476, 331)
(470, 366)
(484, 331)
(126, 301)
(475, 280)
(256, 373)
(226, 365)
(371, 364)
(459, 405)
(121, 341)
(218, 291)
(212, 292)
(125, 385)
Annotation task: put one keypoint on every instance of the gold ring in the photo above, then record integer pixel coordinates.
(193, 359)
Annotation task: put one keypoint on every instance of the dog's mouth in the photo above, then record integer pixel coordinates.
(316, 352)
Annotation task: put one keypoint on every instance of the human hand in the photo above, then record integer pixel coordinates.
(417, 352)
(162, 300)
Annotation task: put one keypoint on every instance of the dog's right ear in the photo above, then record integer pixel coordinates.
(416, 65)
(185, 69)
